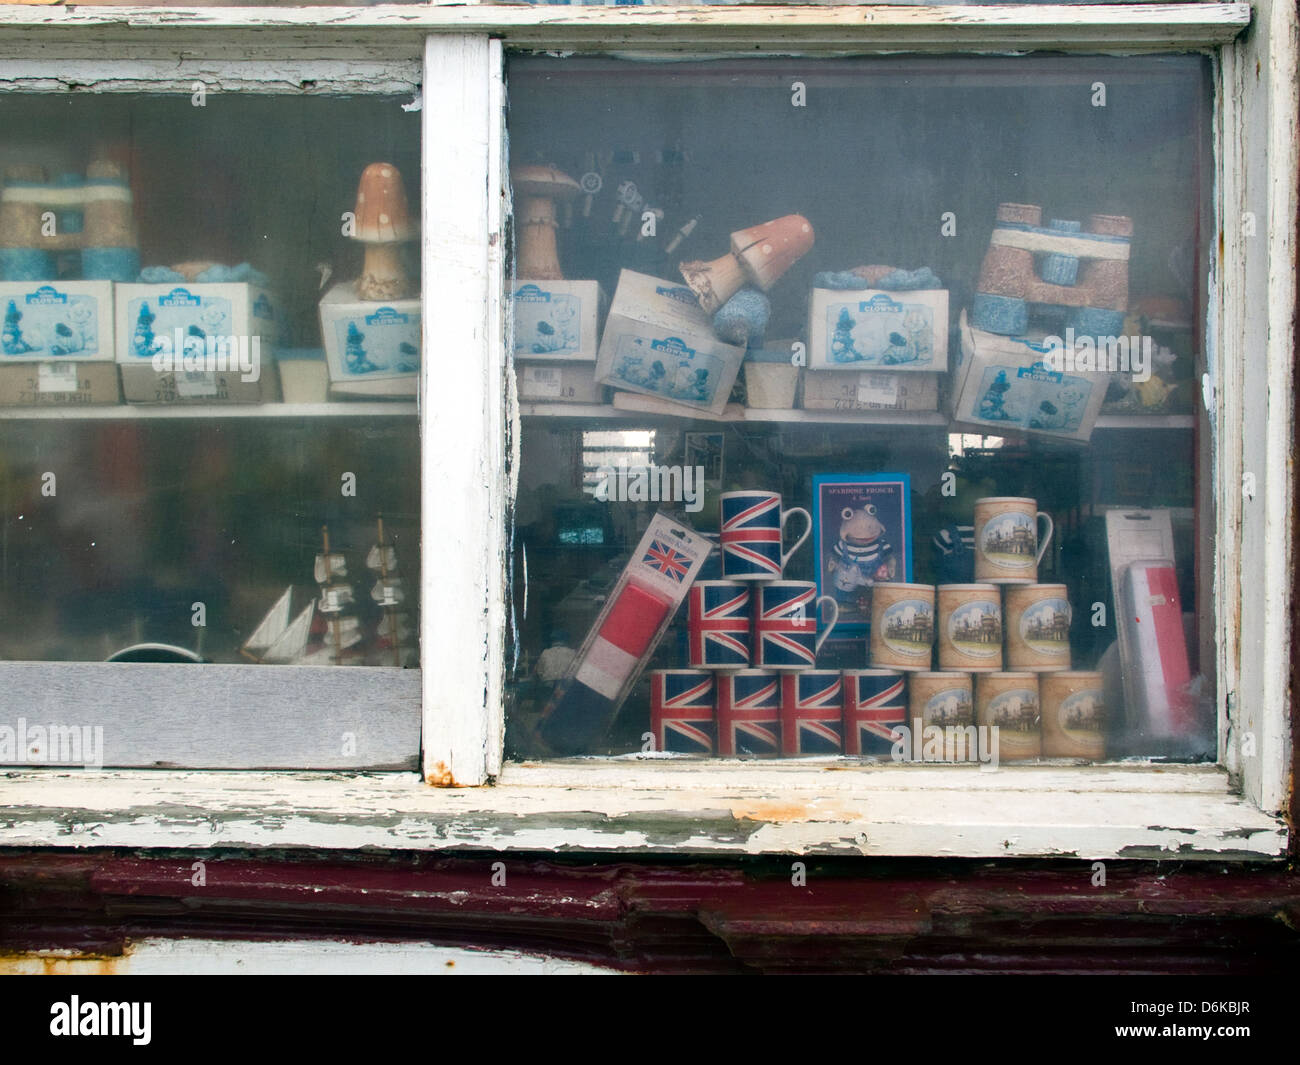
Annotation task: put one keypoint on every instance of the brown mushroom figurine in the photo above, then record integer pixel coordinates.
(537, 190)
(383, 223)
(768, 250)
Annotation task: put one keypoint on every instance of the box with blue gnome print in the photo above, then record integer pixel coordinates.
(1023, 385)
(555, 321)
(658, 341)
(197, 342)
(870, 329)
(56, 343)
(373, 349)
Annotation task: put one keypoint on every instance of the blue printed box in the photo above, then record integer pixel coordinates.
(659, 342)
(1013, 384)
(875, 330)
(372, 348)
(555, 320)
(197, 342)
(43, 322)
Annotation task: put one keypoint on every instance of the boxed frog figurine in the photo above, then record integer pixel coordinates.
(197, 342)
(56, 344)
(870, 329)
(556, 320)
(659, 342)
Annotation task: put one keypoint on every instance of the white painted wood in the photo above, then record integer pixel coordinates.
(461, 397)
(144, 715)
(783, 28)
(159, 956)
(127, 412)
(733, 809)
(46, 64)
(1255, 402)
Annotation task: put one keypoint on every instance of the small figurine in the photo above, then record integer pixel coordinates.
(383, 223)
(539, 188)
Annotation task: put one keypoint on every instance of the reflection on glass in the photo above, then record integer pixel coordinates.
(934, 305)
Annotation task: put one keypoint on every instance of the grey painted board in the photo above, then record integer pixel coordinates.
(144, 715)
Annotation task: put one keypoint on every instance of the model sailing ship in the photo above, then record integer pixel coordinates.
(327, 631)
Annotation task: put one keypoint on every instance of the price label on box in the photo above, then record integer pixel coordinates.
(542, 381)
(56, 377)
(878, 389)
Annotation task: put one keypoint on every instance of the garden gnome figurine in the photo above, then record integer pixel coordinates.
(539, 188)
(383, 223)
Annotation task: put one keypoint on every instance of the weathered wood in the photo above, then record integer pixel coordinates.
(716, 809)
(785, 28)
(217, 716)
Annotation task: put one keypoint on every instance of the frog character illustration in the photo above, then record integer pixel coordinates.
(862, 556)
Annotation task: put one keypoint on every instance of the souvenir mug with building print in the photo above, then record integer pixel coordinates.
(902, 626)
(1038, 628)
(1007, 545)
(1008, 702)
(970, 627)
(1074, 715)
(752, 524)
(944, 706)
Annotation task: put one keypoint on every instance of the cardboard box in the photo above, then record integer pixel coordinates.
(197, 343)
(559, 383)
(659, 342)
(42, 321)
(772, 376)
(871, 329)
(367, 342)
(64, 383)
(304, 377)
(1008, 384)
(865, 390)
(556, 320)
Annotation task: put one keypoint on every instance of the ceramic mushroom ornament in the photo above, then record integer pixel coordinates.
(383, 223)
(538, 189)
(759, 256)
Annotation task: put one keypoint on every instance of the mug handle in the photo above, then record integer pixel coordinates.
(835, 617)
(1042, 548)
(806, 530)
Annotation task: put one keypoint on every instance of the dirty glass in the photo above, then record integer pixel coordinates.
(208, 362)
(860, 409)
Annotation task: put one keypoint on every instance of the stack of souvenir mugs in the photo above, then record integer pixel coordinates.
(1016, 676)
(754, 688)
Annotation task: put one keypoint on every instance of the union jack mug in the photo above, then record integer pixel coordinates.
(812, 709)
(749, 713)
(682, 710)
(874, 706)
(785, 624)
(752, 527)
(717, 625)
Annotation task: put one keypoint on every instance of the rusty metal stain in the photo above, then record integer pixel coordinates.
(787, 810)
(440, 776)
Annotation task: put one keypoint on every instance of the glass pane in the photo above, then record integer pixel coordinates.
(917, 341)
(208, 433)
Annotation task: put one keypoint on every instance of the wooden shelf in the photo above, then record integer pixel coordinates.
(129, 412)
(797, 416)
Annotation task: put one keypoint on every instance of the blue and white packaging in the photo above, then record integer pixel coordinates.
(658, 341)
(197, 342)
(42, 321)
(372, 348)
(555, 321)
(1012, 384)
(870, 329)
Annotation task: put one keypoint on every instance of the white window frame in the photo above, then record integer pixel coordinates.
(1226, 811)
